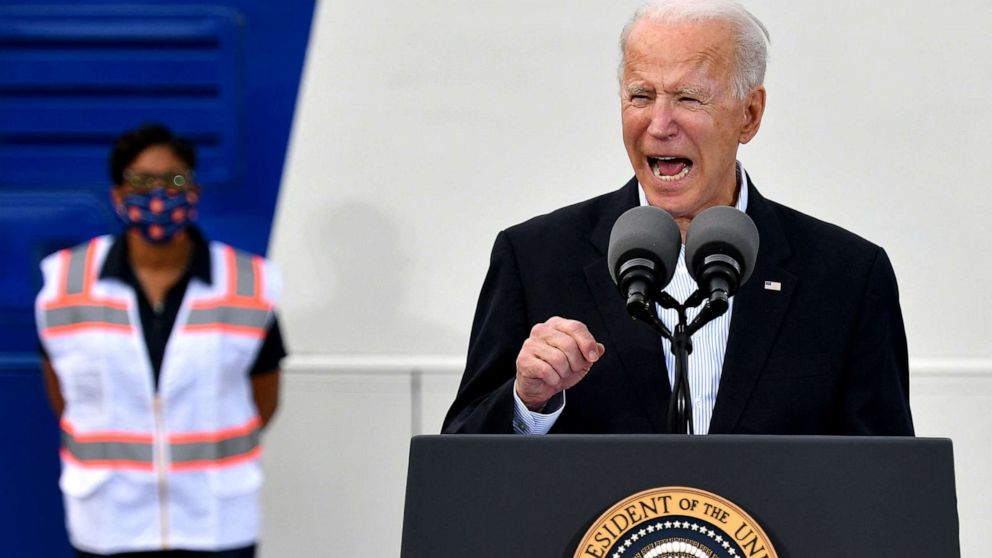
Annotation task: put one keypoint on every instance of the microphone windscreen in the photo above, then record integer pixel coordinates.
(645, 232)
(723, 230)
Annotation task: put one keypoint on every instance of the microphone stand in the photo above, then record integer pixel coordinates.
(641, 307)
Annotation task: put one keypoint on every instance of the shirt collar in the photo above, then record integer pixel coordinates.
(117, 265)
(742, 182)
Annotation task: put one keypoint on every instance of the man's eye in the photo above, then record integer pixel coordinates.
(690, 100)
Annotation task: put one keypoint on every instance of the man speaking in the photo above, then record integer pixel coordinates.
(814, 343)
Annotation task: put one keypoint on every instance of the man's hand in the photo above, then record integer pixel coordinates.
(556, 356)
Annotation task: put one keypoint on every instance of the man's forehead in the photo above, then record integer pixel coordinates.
(700, 44)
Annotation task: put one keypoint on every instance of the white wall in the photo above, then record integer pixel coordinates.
(424, 128)
(336, 457)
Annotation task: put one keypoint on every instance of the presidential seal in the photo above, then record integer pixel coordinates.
(675, 522)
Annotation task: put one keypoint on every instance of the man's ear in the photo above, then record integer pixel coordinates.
(754, 109)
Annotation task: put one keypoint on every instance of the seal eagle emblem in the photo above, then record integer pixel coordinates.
(675, 522)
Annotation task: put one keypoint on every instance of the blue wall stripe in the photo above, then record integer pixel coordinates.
(47, 210)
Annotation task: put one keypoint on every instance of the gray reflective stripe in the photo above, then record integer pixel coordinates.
(214, 451)
(229, 315)
(85, 313)
(108, 451)
(246, 274)
(76, 275)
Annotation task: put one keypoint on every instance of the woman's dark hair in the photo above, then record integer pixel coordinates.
(130, 144)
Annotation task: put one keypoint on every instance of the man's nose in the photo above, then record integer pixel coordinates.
(663, 121)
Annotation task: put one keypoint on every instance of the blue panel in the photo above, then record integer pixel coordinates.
(31, 519)
(72, 78)
(76, 76)
(66, 73)
(37, 218)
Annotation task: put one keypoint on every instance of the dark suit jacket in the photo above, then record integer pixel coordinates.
(824, 355)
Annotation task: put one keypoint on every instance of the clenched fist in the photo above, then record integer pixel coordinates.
(556, 356)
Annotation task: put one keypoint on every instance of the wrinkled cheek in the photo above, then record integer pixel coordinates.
(634, 127)
(632, 140)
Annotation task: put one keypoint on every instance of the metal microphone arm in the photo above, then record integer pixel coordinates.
(641, 307)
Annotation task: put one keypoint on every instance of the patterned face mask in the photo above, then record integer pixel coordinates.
(157, 214)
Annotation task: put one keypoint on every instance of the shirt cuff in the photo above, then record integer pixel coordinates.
(528, 422)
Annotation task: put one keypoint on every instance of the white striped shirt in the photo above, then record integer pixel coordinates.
(709, 346)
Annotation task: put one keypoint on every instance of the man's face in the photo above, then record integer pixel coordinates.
(681, 120)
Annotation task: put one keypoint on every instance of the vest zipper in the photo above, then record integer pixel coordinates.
(163, 494)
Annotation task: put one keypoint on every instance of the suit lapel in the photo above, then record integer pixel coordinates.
(638, 348)
(756, 318)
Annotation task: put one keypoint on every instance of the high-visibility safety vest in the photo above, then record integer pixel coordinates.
(172, 468)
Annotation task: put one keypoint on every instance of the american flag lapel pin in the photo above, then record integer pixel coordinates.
(773, 286)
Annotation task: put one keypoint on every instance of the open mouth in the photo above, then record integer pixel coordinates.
(670, 169)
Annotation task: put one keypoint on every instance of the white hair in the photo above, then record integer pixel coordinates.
(751, 52)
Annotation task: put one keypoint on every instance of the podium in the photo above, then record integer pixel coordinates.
(815, 497)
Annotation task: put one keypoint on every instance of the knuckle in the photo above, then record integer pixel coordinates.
(528, 373)
(582, 336)
(551, 378)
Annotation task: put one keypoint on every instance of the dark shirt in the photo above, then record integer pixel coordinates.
(157, 323)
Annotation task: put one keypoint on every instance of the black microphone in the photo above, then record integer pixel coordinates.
(644, 249)
(721, 246)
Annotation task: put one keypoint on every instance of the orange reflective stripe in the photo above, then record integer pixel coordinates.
(76, 271)
(246, 331)
(249, 289)
(214, 452)
(70, 301)
(247, 319)
(88, 273)
(65, 257)
(256, 263)
(230, 260)
(187, 450)
(105, 435)
(218, 448)
(64, 317)
(242, 310)
(74, 307)
(213, 436)
(108, 449)
(106, 463)
(244, 303)
(78, 299)
(217, 463)
(50, 332)
(78, 265)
